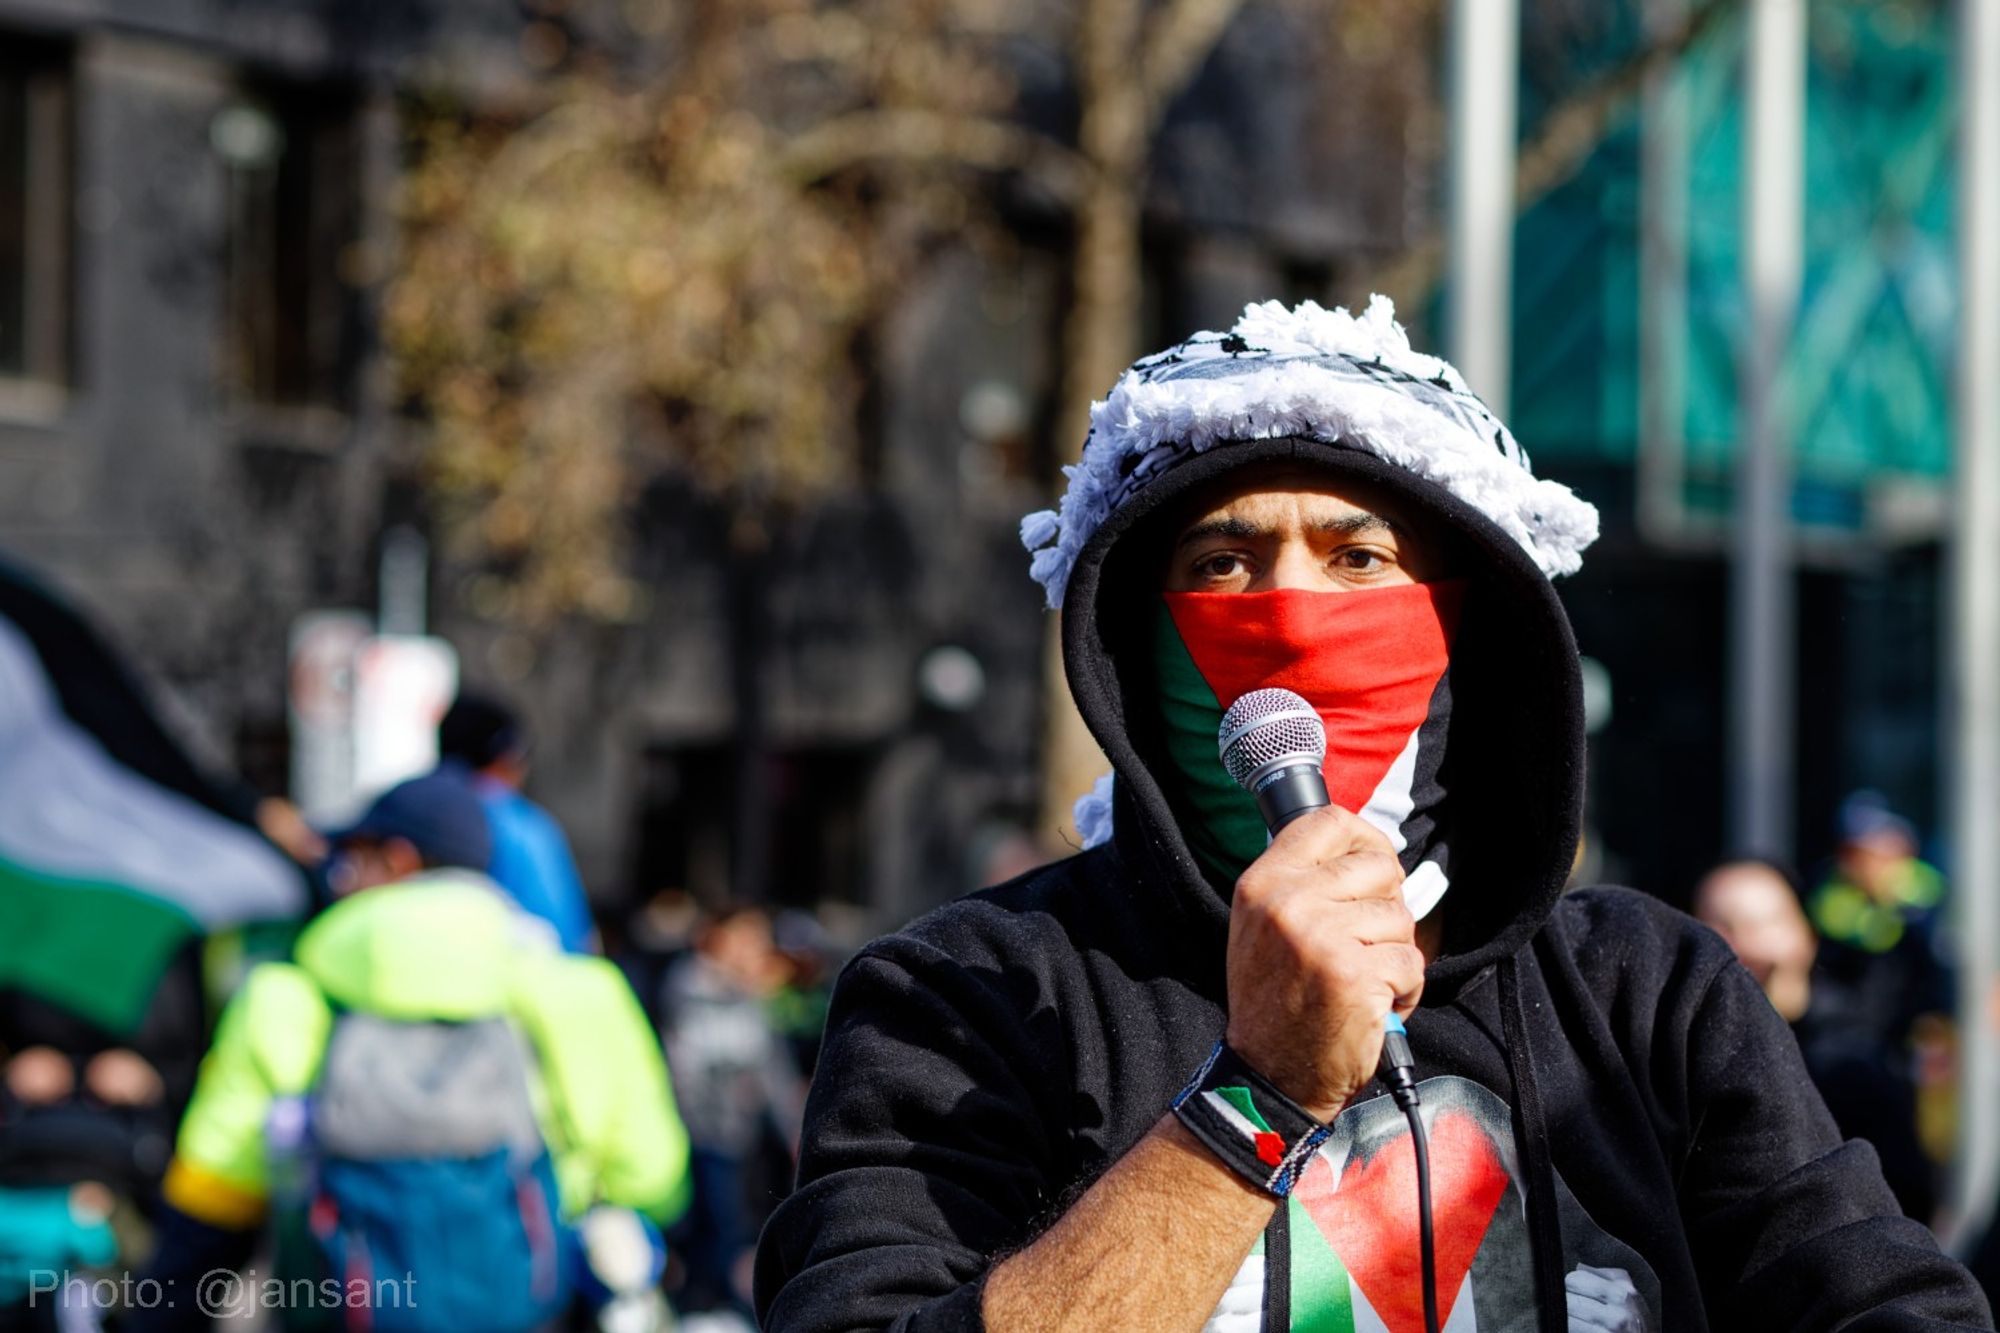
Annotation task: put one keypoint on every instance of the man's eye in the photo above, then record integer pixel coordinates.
(1362, 558)
(1219, 566)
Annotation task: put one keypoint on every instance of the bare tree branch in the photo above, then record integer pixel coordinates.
(1176, 44)
(1576, 126)
(922, 136)
(1568, 135)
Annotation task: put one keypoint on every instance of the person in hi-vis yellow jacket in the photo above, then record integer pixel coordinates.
(419, 1020)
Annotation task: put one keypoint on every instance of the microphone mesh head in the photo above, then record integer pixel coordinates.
(1267, 730)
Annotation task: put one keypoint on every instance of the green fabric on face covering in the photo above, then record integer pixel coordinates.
(1222, 825)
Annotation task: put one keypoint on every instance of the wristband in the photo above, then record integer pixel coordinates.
(1257, 1131)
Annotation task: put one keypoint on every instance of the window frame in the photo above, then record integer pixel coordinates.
(41, 384)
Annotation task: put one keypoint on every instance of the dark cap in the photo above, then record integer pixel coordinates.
(479, 730)
(1865, 816)
(439, 814)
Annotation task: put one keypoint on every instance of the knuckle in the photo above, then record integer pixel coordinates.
(1380, 863)
(1383, 857)
(1336, 819)
(1261, 889)
(1373, 871)
(1317, 834)
(1287, 914)
(1393, 923)
(1390, 907)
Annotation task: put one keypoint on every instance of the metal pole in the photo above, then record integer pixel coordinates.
(1485, 69)
(1762, 628)
(1972, 709)
(1663, 283)
(403, 597)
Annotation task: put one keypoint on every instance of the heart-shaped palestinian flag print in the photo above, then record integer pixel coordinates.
(1355, 1238)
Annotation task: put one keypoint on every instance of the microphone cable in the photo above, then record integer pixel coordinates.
(1399, 1072)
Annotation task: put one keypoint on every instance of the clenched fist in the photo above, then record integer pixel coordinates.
(1320, 948)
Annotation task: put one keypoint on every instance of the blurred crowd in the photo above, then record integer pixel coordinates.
(442, 1076)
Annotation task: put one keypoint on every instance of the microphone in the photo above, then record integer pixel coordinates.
(1274, 746)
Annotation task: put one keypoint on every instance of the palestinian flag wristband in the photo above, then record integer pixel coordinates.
(1265, 1136)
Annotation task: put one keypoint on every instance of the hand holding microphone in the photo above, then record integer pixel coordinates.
(1321, 945)
(1323, 957)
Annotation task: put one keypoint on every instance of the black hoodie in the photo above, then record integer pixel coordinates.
(1613, 1095)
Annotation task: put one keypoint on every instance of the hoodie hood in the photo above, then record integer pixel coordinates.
(1347, 397)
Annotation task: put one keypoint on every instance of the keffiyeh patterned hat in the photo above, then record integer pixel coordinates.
(1318, 374)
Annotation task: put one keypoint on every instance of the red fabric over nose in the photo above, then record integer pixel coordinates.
(1367, 661)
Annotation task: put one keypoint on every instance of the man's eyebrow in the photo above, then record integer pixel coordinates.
(1356, 523)
(1239, 529)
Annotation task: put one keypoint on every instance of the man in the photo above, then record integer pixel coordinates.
(1754, 906)
(350, 1092)
(1024, 1110)
(531, 857)
(1879, 913)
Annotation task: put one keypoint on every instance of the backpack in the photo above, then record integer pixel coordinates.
(431, 1197)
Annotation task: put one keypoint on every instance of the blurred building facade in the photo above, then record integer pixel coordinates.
(1629, 313)
(200, 440)
(200, 437)
(194, 434)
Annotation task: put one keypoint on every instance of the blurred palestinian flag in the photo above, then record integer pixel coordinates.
(115, 849)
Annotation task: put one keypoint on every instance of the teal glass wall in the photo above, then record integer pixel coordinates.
(1866, 386)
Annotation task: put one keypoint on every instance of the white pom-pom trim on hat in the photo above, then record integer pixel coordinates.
(1319, 374)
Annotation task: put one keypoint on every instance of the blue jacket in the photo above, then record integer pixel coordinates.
(532, 862)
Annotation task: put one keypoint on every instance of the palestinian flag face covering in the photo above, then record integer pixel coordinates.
(1374, 663)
